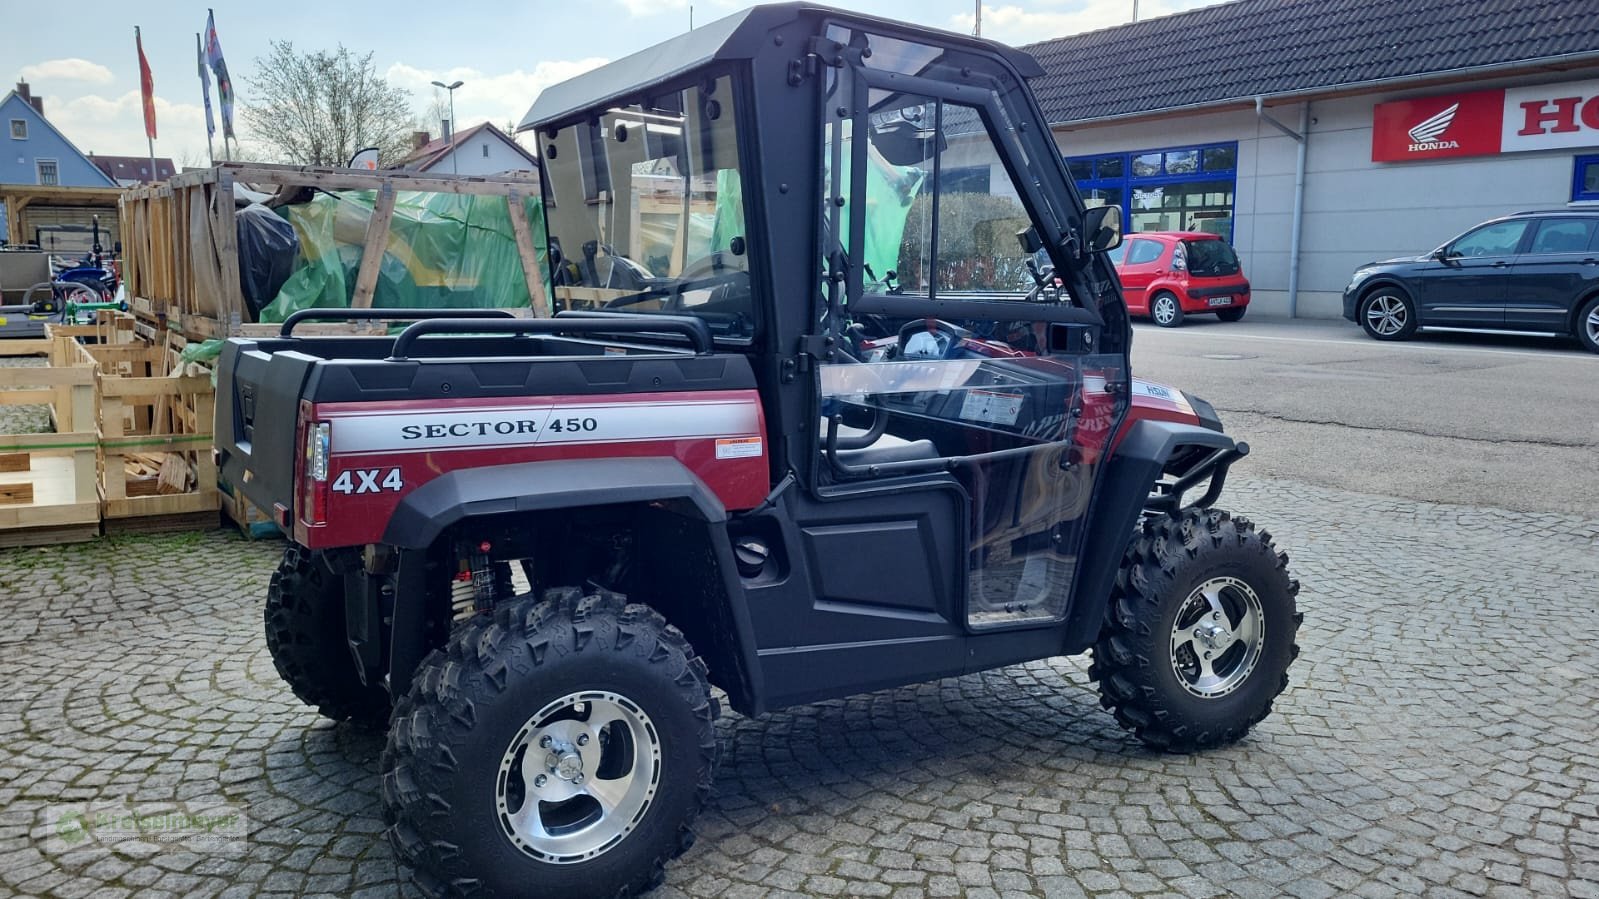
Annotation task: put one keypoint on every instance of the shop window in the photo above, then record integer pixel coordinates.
(1585, 180)
(1182, 162)
(1110, 167)
(1221, 159)
(1081, 169)
(1146, 164)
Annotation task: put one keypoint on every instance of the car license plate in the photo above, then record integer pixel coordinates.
(1220, 301)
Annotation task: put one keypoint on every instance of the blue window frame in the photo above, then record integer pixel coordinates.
(1165, 189)
(1585, 179)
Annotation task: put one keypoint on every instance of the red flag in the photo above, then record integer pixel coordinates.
(146, 86)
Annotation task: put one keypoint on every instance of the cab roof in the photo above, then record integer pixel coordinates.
(738, 36)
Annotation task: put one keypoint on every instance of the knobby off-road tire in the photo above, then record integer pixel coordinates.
(305, 634)
(466, 755)
(1200, 585)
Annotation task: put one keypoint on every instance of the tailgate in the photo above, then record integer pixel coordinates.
(258, 404)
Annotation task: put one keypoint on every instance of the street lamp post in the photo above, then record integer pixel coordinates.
(455, 167)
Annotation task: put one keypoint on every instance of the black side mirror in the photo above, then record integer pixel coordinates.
(1102, 226)
(1029, 240)
(1442, 254)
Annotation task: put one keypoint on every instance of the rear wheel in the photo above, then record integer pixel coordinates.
(1231, 315)
(1387, 313)
(1165, 310)
(1588, 325)
(1200, 631)
(305, 634)
(559, 747)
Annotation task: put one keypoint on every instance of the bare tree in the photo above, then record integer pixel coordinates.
(319, 108)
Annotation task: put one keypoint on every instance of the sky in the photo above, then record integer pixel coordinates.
(85, 66)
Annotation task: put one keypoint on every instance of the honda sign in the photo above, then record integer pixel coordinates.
(1483, 123)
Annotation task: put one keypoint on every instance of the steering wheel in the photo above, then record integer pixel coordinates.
(930, 338)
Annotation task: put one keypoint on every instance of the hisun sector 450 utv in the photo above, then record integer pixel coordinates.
(837, 399)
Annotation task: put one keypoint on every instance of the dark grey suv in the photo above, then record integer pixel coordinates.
(1530, 273)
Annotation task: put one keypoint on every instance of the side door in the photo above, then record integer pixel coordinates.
(1138, 269)
(953, 468)
(1468, 285)
(1546, 281)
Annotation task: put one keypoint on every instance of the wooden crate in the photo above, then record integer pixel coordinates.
(254, 522)
(150, 410)
(48, 491)
(180, 238)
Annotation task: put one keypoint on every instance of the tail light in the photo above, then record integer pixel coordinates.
(314, 470)
(1179, 259)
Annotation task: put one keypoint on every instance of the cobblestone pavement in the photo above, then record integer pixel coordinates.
(1439, 737)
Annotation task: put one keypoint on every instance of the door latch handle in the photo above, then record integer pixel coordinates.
(1501, 264)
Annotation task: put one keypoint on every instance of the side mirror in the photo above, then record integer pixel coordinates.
(1102, 226)
(1442, 254)
(1029, 240)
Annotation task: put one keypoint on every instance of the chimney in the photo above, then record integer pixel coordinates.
(420, 139)
(27, 95)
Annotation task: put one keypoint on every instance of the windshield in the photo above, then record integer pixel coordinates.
(1210, 258)
(646, 213)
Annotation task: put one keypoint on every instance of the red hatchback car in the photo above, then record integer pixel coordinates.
(1169, 274)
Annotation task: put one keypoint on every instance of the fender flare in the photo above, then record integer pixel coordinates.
(1126, 482)
(429, 511)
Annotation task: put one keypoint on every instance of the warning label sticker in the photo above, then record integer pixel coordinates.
(738, 447)
(992, 407)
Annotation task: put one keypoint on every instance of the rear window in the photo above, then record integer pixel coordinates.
(1209, 258)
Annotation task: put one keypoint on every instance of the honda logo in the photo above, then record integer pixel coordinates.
(1425, 135)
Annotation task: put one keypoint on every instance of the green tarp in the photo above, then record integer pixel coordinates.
(444, 251)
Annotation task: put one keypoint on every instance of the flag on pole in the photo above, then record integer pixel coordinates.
(205, 87)
(219, 67)
(146, 87)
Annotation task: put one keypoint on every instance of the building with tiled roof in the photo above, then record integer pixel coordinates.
(1321, 134)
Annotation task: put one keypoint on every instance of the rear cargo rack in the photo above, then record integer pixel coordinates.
(699, 336)
(399, 315)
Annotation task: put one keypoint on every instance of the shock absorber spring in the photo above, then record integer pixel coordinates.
(485, 586)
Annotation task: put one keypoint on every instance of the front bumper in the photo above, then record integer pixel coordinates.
(1351, 299)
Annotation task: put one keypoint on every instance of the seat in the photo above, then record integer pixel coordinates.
(889, 449)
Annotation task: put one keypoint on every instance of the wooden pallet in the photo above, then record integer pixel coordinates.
(47, 482)
(252, 521)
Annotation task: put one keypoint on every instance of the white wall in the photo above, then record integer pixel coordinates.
(469, 157)
(1356, 210)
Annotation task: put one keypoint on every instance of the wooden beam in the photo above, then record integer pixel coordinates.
(522, 232)
(377, 243)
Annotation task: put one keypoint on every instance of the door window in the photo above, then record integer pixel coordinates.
(1497, 239)
(1143, 252)
(963, 367)
(1562, 236)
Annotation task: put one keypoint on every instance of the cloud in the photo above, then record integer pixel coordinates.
(500, 98)
(1016, 25)
(114, 126)
(72, 69)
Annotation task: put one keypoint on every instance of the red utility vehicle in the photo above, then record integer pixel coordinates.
(1167, 275)
(794, 433)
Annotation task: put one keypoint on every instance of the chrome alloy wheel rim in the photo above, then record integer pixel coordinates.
(578, 777)
(1217, 637)
(1165, 310)
(1592, 325)
(1386, 315)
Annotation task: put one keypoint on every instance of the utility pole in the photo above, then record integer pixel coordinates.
(1135, 10)
(977, 29)
(455, 167)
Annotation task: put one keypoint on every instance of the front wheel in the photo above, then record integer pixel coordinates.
(1232, 315)
(1388, 314)
(1165, 310)
(1588, 325)
(1200, 631)
(561, 747)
